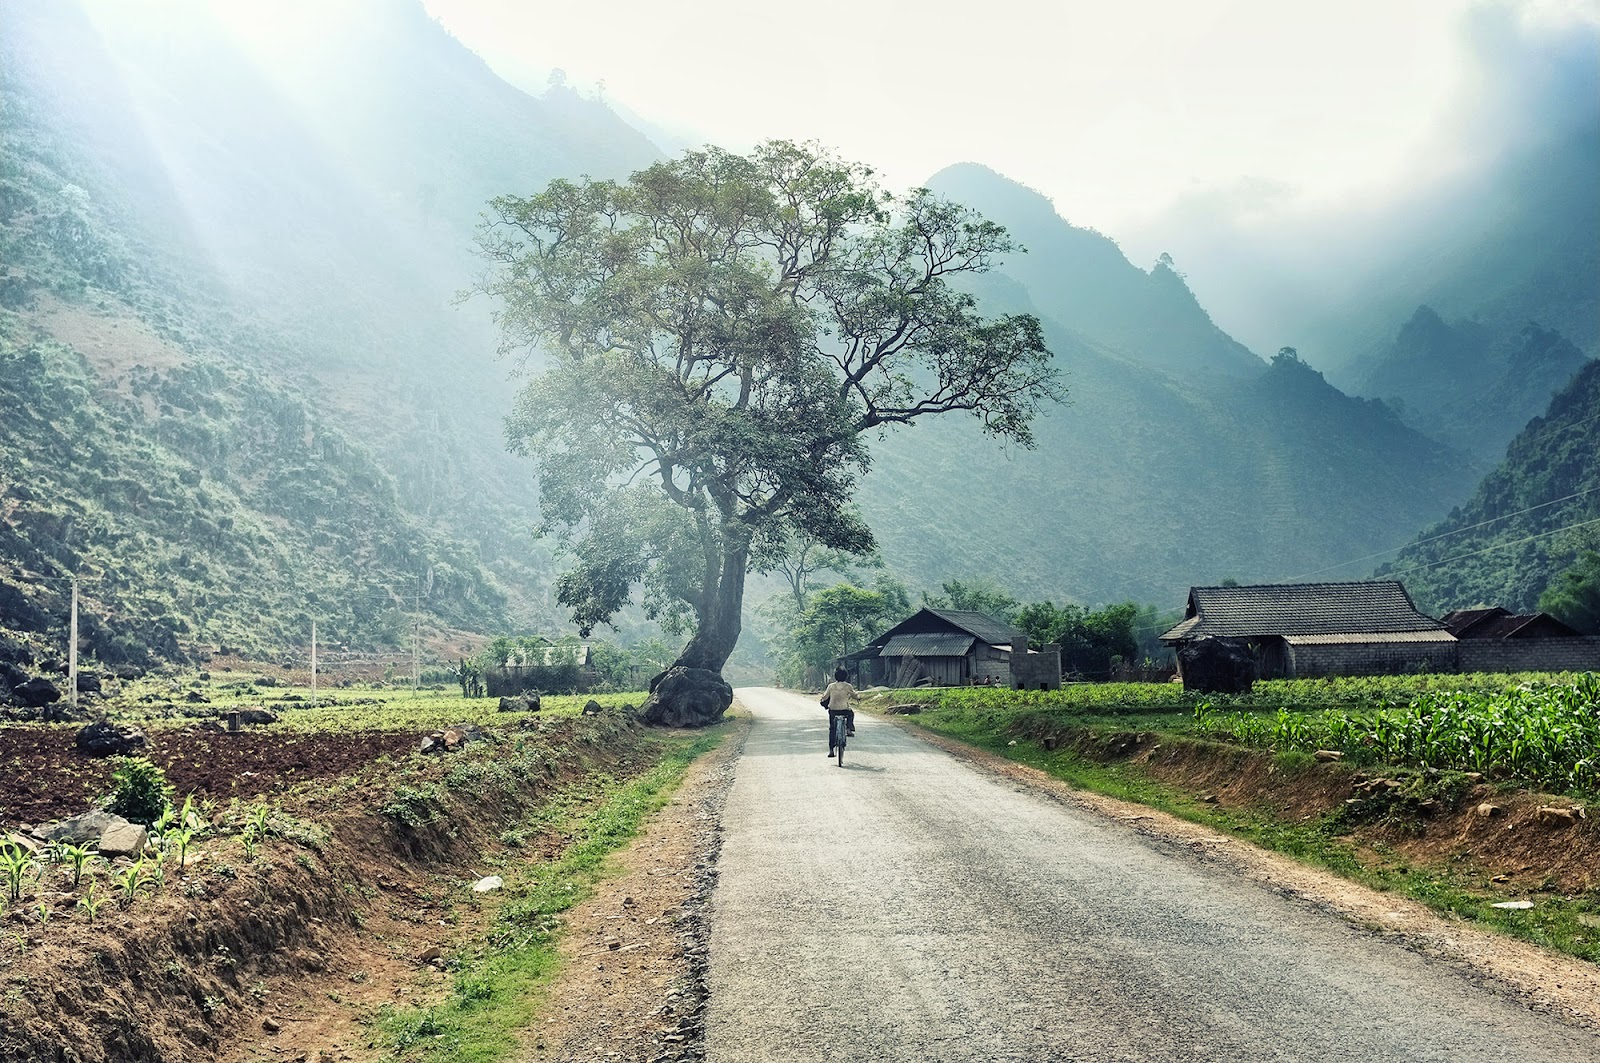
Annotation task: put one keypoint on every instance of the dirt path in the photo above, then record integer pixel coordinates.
(910, 906)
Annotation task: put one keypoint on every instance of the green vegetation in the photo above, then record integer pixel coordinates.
(1574, 596)
(139, 790)
(496, 991)
(1531, 520)
(1546, 734)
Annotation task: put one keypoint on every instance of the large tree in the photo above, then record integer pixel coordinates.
(707, 345)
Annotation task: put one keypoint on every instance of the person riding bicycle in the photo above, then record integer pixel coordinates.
(836, 699)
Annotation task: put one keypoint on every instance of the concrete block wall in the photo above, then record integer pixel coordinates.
(1530, 655)
(1373, 658)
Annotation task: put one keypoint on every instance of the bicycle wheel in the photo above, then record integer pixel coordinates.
(841, 747)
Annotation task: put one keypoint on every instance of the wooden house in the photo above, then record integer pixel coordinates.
(952, 647)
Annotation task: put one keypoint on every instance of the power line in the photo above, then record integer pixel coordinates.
(1446, 535)
(1501, 546)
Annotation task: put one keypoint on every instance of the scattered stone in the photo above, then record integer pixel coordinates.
(257, 716)
(592, 708)
(1209, 799)
(20, 841)
(79, 830)
(488, 884)
(106, 739)
(1488, 810)
(432, 954)
(270, 1024)
(453, 740)
(520, 704)
(1557, 816)
(194, 697)
(1472, 776)
(88, 683)
(1328, 756)
(908, 709)
(36, 693)
(433, 743)
(125, 839)
(1050, 742)
(1513, 906)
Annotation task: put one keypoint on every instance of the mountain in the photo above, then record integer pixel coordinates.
(247, 398)
(1470, 384)
(1082, 278)
(1182, 457)
(1528, 520)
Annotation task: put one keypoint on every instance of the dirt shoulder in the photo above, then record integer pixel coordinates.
(633, 957)
(1545, 981)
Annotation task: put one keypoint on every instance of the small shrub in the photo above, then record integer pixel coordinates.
(139, 790)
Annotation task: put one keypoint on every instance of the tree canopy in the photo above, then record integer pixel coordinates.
(706, 345)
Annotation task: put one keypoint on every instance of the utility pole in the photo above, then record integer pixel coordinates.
(313, 664)
(72, 651)
(416, 642)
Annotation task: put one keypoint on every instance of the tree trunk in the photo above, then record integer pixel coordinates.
(722, 618)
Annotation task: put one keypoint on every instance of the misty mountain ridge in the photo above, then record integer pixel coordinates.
(1470, 384)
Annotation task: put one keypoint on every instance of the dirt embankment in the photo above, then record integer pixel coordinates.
(1524, 839)
(339, 894)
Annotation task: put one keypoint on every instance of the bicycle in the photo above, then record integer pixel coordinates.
(836, 733)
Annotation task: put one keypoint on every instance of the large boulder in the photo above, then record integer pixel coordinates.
(1214, 665)
(36, 693)
(687, 697)
(79, 830)
(105, 739)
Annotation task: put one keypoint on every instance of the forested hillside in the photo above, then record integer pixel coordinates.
(1529, 520)
(237, 397)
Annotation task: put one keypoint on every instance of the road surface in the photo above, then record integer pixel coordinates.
(910, 907)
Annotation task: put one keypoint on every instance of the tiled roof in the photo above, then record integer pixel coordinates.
(1378, 606)
(938, 644)
(980, 625)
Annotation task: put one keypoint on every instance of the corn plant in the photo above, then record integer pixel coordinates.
(44, 912)
(77, 856)
(90, 901)
(15, 863)
(130, 880)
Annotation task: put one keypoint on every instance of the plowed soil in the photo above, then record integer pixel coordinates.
(43, 777)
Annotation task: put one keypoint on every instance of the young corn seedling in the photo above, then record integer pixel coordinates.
(77, 856)
(179, 840)
(44, 913)
(15, 862)
(129, 881)
(90, 902)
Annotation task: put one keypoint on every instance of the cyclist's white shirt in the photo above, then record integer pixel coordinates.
(839, 694)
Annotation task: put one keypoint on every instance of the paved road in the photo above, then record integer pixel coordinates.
(909, 907)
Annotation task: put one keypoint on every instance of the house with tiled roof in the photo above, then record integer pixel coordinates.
(953, 647)
(1296, 630)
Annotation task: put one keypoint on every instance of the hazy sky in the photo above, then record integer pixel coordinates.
(1115, 109)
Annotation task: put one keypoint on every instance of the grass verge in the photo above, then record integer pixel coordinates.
(1568, 923)
(497, 992)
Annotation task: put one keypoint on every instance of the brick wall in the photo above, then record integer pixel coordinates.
(1530, 655)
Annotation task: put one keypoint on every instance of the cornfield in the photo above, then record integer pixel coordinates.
(1546, 733)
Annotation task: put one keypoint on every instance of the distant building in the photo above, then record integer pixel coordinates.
(1498, 640)
(1315, 629)
(954, 647)
(1299, 630)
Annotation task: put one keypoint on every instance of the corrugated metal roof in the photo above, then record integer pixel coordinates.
(1370, 637)
(938, 644)
(1377, 606)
